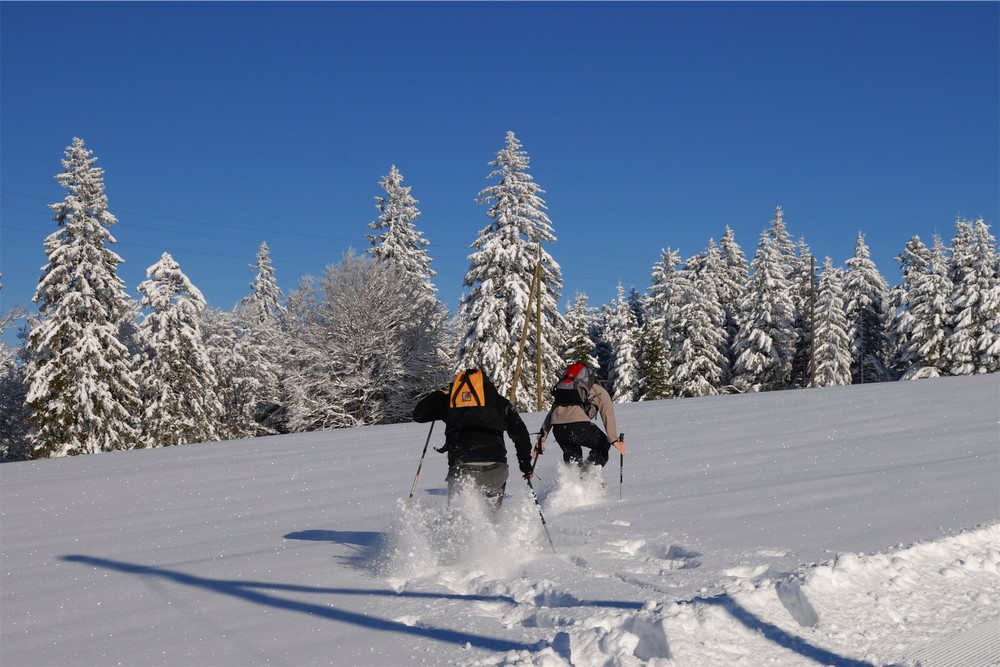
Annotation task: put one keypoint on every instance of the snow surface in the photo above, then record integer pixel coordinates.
(844, 526)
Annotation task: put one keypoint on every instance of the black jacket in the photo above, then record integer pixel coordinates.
(475, 435)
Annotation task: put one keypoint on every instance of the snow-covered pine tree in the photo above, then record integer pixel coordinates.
(804, 288)
(603, 349)
(180, 388)
(402, 245)
(500, 276)
(732, 289)
(654, 368)
(398, 240)
(14, 415)
(663, 307)
(765, 343)
(782, 239)
(922, 321)
(899, 321)
(261, 345)
(637, 302)
(974, 341)
(797, 270)
(988, 349)
(360, 337)
(622, 333)
(14, 445)
(832, 363)
(82, 390)
(699, 364)
(962, 332)
(664, 293)
(579, 346)
(237, 371)
(866, 297)
(264, 300)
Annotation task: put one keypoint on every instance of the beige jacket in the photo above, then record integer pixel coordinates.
(600, 401)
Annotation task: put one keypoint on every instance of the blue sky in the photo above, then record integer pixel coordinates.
(221, 125)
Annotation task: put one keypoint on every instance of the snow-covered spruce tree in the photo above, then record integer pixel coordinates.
(264, 301)
(922, 321)
(795, 259)
(699, 364)
(398, 240)
(14, 445)
(361, 337)
(622, 332)
(974, 340)
(603, 350)
(663, 306)
(732, 289)
(180, 391)
(654, 367)
(579, 346)
(637, 302)
(988, 349)
(832, 363)
(501, 268)
(783, 243)
(804, 289)
(82, 391)
(913, 261)
(262, 344)
(237, 371)
(14, 415)
(403, 246)
(765, 343)
(866, 297)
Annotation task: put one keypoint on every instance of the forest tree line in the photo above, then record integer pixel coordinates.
(100, 371)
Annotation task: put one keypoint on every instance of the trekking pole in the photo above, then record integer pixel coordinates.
(621, 466)
(535, 497)
(419, 466)
(544, 525)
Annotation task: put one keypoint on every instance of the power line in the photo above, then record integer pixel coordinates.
(125, 225)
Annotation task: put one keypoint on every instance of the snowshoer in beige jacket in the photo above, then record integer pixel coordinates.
(577, 401)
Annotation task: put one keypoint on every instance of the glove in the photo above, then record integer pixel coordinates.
(620, 446)
(539, 446)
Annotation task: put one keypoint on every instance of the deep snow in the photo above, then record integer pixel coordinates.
(846, 526)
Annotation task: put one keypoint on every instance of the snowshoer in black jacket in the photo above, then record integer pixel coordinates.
(476, 417)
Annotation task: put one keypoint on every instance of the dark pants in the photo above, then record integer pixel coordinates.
(488, 478)
(574, 437)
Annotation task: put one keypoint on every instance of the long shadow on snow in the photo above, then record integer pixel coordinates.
(779, 636)
(244, 590)
(366, 544)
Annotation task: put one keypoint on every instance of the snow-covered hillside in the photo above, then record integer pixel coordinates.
(846, 526)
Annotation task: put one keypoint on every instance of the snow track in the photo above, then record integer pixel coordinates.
(646, 602)
(975, 647)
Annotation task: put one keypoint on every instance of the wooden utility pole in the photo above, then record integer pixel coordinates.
(812, 321)
(538, 327)
(524, 330)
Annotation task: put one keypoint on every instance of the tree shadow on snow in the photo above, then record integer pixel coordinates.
(252, 591)
(779, 636)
